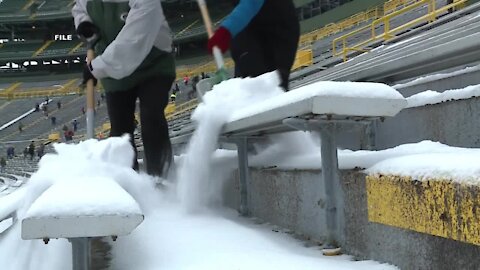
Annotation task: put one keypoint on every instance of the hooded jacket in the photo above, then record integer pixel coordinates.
(135, 41)
(262, 14)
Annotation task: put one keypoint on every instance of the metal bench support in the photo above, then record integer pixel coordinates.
(330, 172)
(244, 174)
(80, 253)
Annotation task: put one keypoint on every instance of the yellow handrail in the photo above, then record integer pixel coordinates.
(388, 33)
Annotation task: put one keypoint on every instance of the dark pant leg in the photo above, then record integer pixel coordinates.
(121, 111)
(283, 45)
(153, 95)
(248, 55)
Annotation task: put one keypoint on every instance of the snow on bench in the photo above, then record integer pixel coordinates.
(324, 107)
(322, 100)
(245, 109)
(78, 208)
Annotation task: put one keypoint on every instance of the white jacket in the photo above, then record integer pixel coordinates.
(145, 27)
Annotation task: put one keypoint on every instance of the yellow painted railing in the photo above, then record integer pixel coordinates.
(185, 29)
(28, 4)
(43, 48)
(74, 49)
(304, 58)
(182, 108)
(170, 109)
(387, 33)
(8, 92)
(208, 67)
(333, 28)
(393, 5)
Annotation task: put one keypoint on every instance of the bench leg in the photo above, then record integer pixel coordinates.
(80, 253)
(244, 174)
(330, 179)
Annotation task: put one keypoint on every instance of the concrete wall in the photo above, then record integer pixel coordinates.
(452, 122)
(294, 200)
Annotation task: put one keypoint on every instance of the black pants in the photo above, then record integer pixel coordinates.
(257, 51)
(153, 96)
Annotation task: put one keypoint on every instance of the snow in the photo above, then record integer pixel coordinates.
(204, 237)
(422, 160)
(76, 197)
(455, 167)
(195, 185)
(185, 226)
(326, 88)
(436, 77)
(169, 238)
(6, 125)
(432, 97)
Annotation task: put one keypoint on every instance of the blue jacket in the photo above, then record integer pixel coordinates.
(242, 15)
(261, 14)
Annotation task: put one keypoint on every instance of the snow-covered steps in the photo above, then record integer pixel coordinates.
(435, 206)
(72, 209)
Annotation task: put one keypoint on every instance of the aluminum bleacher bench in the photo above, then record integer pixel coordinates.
(84, 212)
(322, 107)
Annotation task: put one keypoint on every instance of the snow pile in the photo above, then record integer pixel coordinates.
(432, 97)
(326, 88)
(174, 240)
(169, 238)
(92, 160)
(436, 77)
(196, 184)
(76, 197)
(456, 167)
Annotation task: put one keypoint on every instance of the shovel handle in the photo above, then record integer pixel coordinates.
(217, 54)
(90, 99)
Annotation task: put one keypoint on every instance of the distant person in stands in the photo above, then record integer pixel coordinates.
(25, 153)
(3, 164)
(53, 119)
(185, 80)
(10, 152)
(59, 105)
(134, 61)
(20, 127)
(31, 150)
(173, 96)
(262, 36)
(83, 110)
(75, 125)
(37, 107)
(177, 88)
(41, 150)
(45, 110)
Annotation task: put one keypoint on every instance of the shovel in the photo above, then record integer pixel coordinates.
(207, 84)
(90, 93)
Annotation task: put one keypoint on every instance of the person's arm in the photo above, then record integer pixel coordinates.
(134, 42)
(79, 12)
(241, 16)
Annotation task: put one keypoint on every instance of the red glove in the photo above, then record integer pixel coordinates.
(221, 39)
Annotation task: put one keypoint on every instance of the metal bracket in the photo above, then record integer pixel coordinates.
(244, 174)
(330, 173)
(80, 253)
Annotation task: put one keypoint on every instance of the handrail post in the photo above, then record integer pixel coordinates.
(432, 7)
